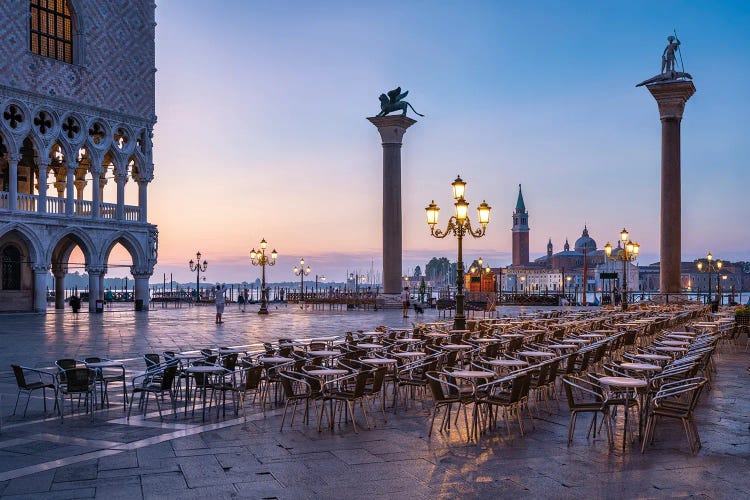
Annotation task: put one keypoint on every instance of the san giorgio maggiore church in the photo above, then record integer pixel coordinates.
(77, 110)
(548, 272)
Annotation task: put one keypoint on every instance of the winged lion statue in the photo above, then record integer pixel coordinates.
(393, 102)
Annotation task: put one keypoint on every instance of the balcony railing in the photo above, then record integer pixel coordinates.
(81, 208)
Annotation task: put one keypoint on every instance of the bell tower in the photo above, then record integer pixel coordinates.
(520, 232)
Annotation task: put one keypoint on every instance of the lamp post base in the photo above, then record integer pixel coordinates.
(263, 310)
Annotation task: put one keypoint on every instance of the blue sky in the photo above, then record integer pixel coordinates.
(262, 129)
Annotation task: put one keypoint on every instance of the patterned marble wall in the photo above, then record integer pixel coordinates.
(115, 69)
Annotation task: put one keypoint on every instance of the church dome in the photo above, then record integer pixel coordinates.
(585, 241)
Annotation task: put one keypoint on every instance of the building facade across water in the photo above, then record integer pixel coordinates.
(77, 111)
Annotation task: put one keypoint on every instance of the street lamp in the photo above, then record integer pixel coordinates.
(301, 271)
(628, 252)
(711, 267)
(261, 259)
(459, 225)
(198, 268)
(321, 278)
(723, 278)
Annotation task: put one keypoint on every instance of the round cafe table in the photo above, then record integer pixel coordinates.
(327, 372)
(367, 345)
(408, 354)
(653, 357)
(672, 349)
(408, 341)
(472, 376)
(625, 384)
(679, 336)
(203, 370)
(576, 341)
(323, 353)
(486, 340)
(641, 367)
(536, 354)
(437, 335)
(561, 347)
(675, 343)
(592, 335)
(507, 363)
(274, 360)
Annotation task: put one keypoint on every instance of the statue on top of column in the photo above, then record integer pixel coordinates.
(668, 72)
(393, 102)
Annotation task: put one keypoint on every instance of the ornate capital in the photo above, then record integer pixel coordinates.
(141, 272)
(96, 270)
(14, 157)
(392, 128)
(671, 98)
(40, 269)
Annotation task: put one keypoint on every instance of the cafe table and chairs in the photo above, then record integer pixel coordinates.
(623, 391)
(202, 378)
(474, 377)
(108, 371)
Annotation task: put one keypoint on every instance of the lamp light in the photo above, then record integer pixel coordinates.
(462, 209)
(459, 188)
(432, 213)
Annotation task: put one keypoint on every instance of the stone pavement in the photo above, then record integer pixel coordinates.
(225, 458)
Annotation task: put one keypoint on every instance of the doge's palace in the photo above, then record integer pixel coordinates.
(76, 113)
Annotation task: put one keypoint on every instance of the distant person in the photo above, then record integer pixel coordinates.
(220, 301)
(405, 301)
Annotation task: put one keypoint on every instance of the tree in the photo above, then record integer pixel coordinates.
(417, 273)
(438, 270)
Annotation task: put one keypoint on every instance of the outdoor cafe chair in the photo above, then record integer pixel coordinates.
(107, 375)
(584, 396)
(337, 392)
(45, 381)
(676, 400)
(78, 381)
(145, 383)
(296, 389)
(496, 395)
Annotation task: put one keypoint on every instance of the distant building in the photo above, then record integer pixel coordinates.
(520, 232)
(77, 110)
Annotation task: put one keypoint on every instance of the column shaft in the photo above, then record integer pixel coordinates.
(141, 289)
(671, 214)
(40, 289)
(95, 197)
(143, 200)
(60, 291)
(120, 210)
(392, 226)
(13, 183)
(42, 182)
(94, 283)
(70, 190)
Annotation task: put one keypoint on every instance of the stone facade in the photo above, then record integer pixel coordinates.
(65, 130)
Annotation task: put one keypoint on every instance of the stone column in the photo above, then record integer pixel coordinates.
(95, 194)
(42, 183)
(392, 130)
(140, 289)
(671, 98)
(101, 284)
(41, 273)
(13, 160)
(143, 200)
(70, 188)
(120, 210)
(95, 274)
(59, 288)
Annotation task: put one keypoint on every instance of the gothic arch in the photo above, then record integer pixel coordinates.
(34, 244)
(65, 241)
(131, 244)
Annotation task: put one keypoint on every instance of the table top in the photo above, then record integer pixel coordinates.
(507, 362)
(323, 353)
(675, 343)
(408, 354)
(679, 336)
(181, 355)
(437, 335)
(655, 357)
(512, 336)
(623, 382)
(327, 372)
(575, 341)
(378, 361)
(324, 339)
(592, 335)
(455, 347)
(486, 340)
(372, 334)
(205, 369)
(406, 341)
(275, 360)
(473, 374)
(536, 354)
(668, 348)
(365, 345)
(105, 364)
(239, 351)
(646, 367)
(560, 346)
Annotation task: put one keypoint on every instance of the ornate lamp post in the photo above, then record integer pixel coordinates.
(459, 225)
(261, 259)
(302, 271)
(711, 267)
(198, 268)
(626, 253)
(721, 297)
(321, 278)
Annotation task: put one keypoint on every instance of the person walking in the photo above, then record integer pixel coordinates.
(405, 301)
(220, 300)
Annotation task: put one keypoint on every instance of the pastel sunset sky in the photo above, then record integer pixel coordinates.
(261, 127)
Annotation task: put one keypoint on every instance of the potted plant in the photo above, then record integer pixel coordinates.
(742, 315)
(75, 303)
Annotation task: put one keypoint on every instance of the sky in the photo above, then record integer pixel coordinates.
(261, 128)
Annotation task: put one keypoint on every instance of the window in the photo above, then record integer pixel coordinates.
(51, 29)
(11, 268)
